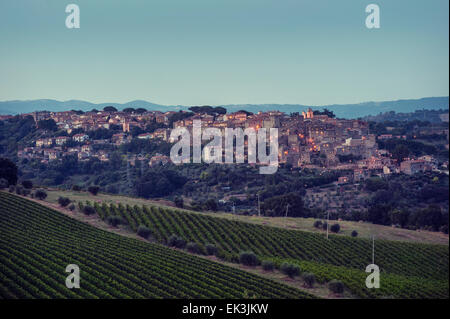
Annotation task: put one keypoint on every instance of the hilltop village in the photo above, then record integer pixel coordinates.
(307, 139)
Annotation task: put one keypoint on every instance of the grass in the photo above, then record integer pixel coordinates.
(37, 243)
(365, 230)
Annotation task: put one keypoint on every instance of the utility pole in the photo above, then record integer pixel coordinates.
(285, 216)
(142, 166)
(373, 249)
(259, 207)
(128, 171)
(233, 209)
(328, 221)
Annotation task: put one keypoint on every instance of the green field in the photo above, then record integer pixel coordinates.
(365, 230)
(408, 270)
(37, 243)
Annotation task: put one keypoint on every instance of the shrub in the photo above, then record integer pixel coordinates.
(26, 192)
(354, 233)
(63, 201)
(11, 188)
(335, 228)
(27, 184)
(290, 270)
(172, 241)
(3, 183)
(210, 249)
(19, 190)
(143, 231)
(267, 265)
(93, 189)
(176, 241)
(444, 229)
(179, 202)
(248, 258)
(72, 207)
(193, 248)
(113, 220)
(318, 224)
(336, 286)
(40, 194)
(324, 225)
(309, 279)
(88, 210)
(76, 188)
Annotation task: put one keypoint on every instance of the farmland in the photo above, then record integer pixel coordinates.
(408, 270)
(365, 230)
(37, 243)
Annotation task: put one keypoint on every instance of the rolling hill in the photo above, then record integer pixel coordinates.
(37, 243)
(409, 270)
(341, 110)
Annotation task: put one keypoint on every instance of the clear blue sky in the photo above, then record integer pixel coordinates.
(200, 52)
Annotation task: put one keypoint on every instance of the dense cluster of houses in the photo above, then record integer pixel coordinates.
(303, 138)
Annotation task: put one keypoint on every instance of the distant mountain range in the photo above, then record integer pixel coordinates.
(341, 110)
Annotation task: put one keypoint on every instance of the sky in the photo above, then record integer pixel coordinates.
(218, 52)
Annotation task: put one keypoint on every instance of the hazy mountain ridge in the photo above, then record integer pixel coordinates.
(341, 110)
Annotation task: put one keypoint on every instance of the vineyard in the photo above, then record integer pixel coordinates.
(37, 243)
(409, 270)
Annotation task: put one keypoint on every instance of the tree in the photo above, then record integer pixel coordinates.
(375, 183)
(335, 228)
(193, 247)
(110, 109)
(178, 202)
(379, 214)
(116, 161)
(19, 189)
(336, 286)
(88, 210)
(114, 220)
(63, 201)
(309, 279)
(93, 189)
(27, 184)
(49, 125)
(76, 187)
(210, 249)
(325, 112)
(40, 194)
(278, 204)
(210, 204)
(8, 171)
(248, 258)
(399, 217)
(400, 152)
(354, 233)
(318, 224)
(268, 265)
(290, 270)
(176, 241)
(143, 231)
(3, 183)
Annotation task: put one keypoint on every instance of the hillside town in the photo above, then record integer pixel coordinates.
(307, 139)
